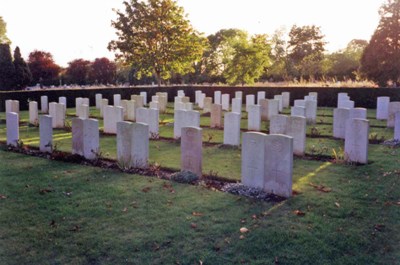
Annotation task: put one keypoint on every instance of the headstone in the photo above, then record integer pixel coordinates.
(232, 128)
(253, 159)
(144, 97)
(340, 117)
(57, 111)
(358, 113)
(342, 97)
(260, 95)
(46, 133)
(63, 100)
(77, 136)
(12, 106)
(188, 106)
(217, 97)
(382, 108)
(84, 111)
(181, 93)
(186, 99)
(154, 98)
(254, 118)
(151, 118)
(85, 137)
(225, 102)
(112, 115)
(98, 97)
(236, 105)
(33, 113)
(124, 105)
(124, 144)
(250, 100)
(78, 103)
(300, 103)
(44, 104)
(239, 94)
(311, 111)
(117, 100)
(216, 116)
(397, 126)
(104, 103)
(346, 104)
(393, 108)
(296, 128)
(356, 141)
(314, 95)
(138, 101)
(86, 101)
(197, 96)
(154, 105)
(286, 99)
(179, 106)
(278, 124)
(278, 176)
(202, 96)
(207, 105)
(12, 125)
(298, 111)
(269, 108)
(191, 150)
(130, 110)
(280, 102)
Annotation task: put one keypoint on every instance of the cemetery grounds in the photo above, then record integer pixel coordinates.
(57, 212)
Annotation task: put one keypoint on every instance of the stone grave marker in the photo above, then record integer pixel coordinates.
(382, 108)
(356, 141)
(253, 159)
(232, 128)
(191, 150)
(46, 133)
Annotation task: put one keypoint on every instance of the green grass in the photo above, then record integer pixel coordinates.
(61, 213)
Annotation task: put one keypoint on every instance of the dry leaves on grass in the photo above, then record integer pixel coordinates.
(244, 230)
(3, 197)
(321, 188)
(299, 213)
(146, 189)
(197, 214)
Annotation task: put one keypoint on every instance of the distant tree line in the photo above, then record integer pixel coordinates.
(157, 44)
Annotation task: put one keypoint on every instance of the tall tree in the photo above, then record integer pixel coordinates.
(103, 71)
(277, 71)
(3, 32)
(23, 75)
(43, 68)
(155, 37)
(77, 72)
(249, 62)
(380, 60)
(7, 69)
(305, 50)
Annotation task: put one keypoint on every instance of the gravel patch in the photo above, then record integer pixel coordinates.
(255, 193)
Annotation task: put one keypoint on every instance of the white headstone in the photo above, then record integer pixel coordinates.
(84, 111)
(239, 94)
(191, 150)
(253, 159)
(250, 100)
(397, 126)
(346, 104)
(150, 117)
(98, 97)
(207, 105)
(280, 100)
(296, 128)
(12, 106)
(91, 138)
(278, 124)
(104, 103)
(33, 113)
(236, 105)
(144, 96)
(112, 115)
(117, 100)
(12, 124)
(225, 102)
(382, 108)
(44, 104)
(393, 108)
(356, 141)
(78, 103)
(181, 93)
(298, 111)
(300, 103)
(130, 110)
(260, 95)
(340, 117)
(232, 128)
(342, 97)
(57, 111)
(314, 95)
(311, 111)
(217, 97)
(216, 116)
(278, 177)
(46, 133)
(254, 118)
(63, 100)
(197, 96)
(286, 99)
(358, 113)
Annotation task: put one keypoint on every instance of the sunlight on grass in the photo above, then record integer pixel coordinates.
(302, 181)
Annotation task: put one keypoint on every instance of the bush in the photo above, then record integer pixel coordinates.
(185, 177)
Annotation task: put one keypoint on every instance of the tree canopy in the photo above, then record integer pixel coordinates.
(23, 75)
(77, 72)
(7, 69)
(3, 32)
(103, 71)
(156, 39)
(43, 68)
(381, 57)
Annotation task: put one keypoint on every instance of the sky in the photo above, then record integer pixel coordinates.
(72, 29)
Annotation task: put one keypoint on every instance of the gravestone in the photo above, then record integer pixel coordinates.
(57, 111)
(273, 108)
(358, 113)
(286, 99)
(197, 96)
(130, 110)
(84, 111)
(311, 111)
(188, 106)
(340, 117)
(347, 104)
(298, 111)
(124, 105)
(296, 128)
(278, 124)
(143, 94)
(117, 100)
(104, 103)
(342, 97)
(78, 103)
(191, 150)
(46, 133)
(12, 125)
(393, 108)
(12, 106)
(86, 101)
(356, 141)
(314, 95)
(232, 128)
(77, 136)
(85, 137)
(98, 98)
(154, 98)
(236, 105)
(181, 93)
(216, 116)
(44, 104)
(33, 113)
(225, 102)
(397, 126)
(260, 95)
(207, 105)
(217, 97)
(253, 159)
(151, 118)
(254, 118)
(63, 100)
(239, 94)
(187, 99)
(278, 174)
(183, 118)
(154, 105)
(179, 106)
(280, 102)
(138, 101)
(201, 100)
(112, 115)
(382, 108)
(300, 103)
(250, 100)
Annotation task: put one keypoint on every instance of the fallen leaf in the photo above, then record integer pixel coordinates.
(197, 214)
(3, 196)
(254, 216)
(242, 237)
(125, 209)
(45, 191)
(193, 225)
(53, 223)
(147, 189)
(76, 228)
(299, 213)
(379, 227)
(244, 230)
(321, 188)
(337, 204)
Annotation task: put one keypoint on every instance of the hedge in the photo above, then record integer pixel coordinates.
(327, 96)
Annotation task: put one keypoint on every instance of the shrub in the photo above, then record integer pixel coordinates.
(185, 177)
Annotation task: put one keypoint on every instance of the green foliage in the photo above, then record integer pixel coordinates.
(23, 75)
(185, 177)
(156, 39)
(7, 68)
(3, 32)
(380, 60)
(250, 59)
(43, 68)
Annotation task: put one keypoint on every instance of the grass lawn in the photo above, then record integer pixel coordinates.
(61, 213)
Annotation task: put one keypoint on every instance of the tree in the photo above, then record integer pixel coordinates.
(43, 68)
(156, 39)
(3, 32)
(77, 72)
(103, 71)
(305, 51)
(23, 75)
(381, 57)
(7, 69)
(277, 71)
(249, 61)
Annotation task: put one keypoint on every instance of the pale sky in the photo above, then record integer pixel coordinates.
(72, 29)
